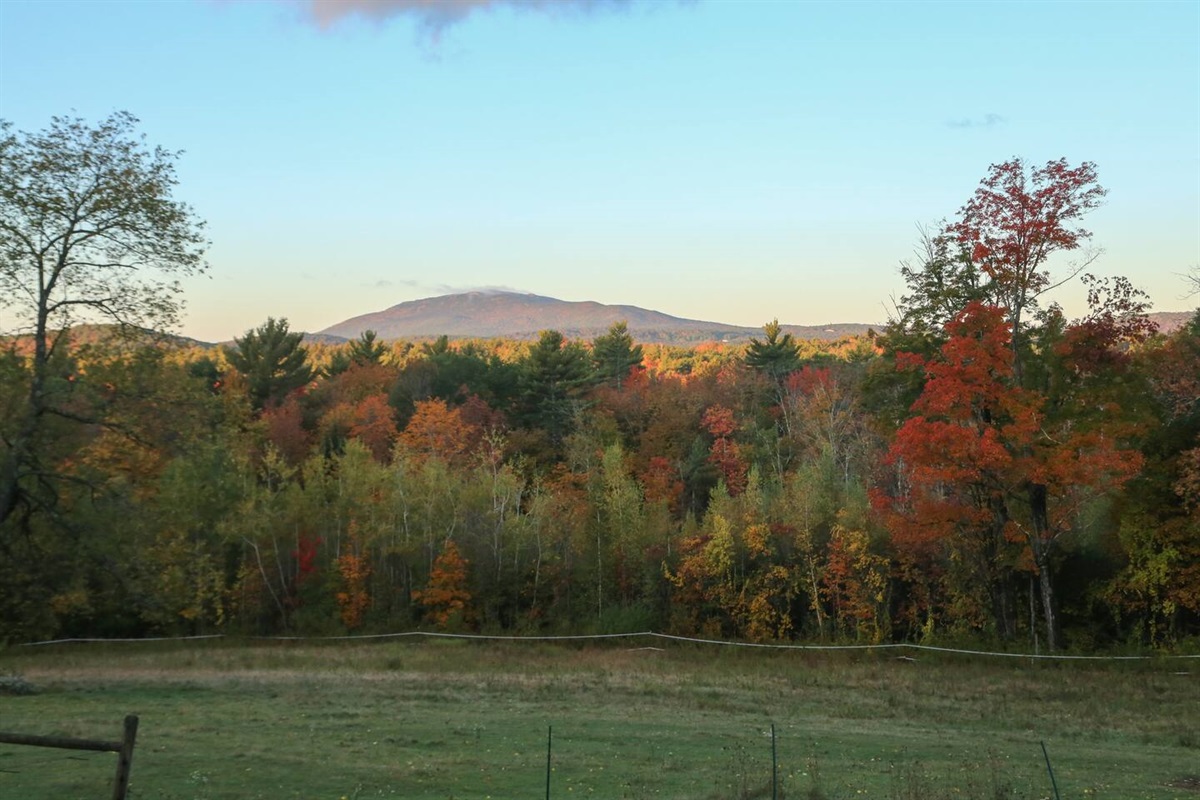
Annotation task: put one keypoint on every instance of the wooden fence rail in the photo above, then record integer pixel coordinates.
(123, 749)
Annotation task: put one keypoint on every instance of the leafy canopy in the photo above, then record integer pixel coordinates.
(89, 229)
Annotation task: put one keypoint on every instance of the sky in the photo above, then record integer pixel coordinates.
(724, 160)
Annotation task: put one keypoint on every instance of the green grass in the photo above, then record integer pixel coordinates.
(450, 719)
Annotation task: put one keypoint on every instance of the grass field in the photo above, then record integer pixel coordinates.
(444, 719)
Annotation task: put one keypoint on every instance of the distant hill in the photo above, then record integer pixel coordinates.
(1171, 321)
(111, 336)
(486, 315)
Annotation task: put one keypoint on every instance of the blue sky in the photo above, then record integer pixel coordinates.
(729, 160)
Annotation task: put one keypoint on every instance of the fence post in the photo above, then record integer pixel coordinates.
(1050, 769)
(125, 758)
(774, 767)
(549, 739)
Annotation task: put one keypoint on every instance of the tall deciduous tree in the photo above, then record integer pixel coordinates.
(1018, 219)
(89, 231)
(986, 457)
(273, 361)
(939, 286)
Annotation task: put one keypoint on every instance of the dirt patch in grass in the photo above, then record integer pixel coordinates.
(15, 685)
(1189, 782)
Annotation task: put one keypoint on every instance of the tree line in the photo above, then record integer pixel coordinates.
(982, 469)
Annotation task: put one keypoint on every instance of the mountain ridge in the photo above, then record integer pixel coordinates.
(498, 314)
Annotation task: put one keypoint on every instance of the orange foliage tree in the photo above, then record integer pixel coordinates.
(855, 582)
(725, 454)
(983, 456)
(435, 429)
(355, 570)
(374, 424)
(446, 597)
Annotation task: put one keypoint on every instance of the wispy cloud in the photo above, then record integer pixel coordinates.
(438, 288)
(435, 16)
(447, 289)
(986, 121)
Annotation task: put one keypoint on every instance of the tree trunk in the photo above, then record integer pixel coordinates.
(1040, 544)
(1000, 589)
(19, 452)
(1047, 588)
(9, 481)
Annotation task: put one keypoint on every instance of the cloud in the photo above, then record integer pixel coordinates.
(384, 283)
(435, 16)
(447, 289)
(439, 288)
(986, 121)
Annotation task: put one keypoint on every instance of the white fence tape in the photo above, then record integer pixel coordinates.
(601, 636)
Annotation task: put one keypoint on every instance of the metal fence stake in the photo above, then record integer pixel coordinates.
(774, 767)
(1050, 769)
(549, 740)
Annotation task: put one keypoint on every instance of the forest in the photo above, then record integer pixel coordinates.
(983, 469)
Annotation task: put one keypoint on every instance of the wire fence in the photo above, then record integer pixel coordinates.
(653, 635)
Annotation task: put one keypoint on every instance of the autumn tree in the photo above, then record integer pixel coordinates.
(90, 231)
(1018, 219)
(725, 454)
(272, 359)
(986, 273)
(374, 426)
(438, 431)
(1158, 585)
(446, 598)
(827, 418)
(855, 583)
(355, 570)
(985, 457)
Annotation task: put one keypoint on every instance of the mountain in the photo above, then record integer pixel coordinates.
(112, 337)
(1170, 321)
(486, 315)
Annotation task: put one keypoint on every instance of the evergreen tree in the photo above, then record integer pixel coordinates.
(778, 356)
(554, 374)
(614, 354)
(272, 360)
(366, 349)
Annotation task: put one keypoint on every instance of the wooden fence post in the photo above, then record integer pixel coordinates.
(125, 758)
(123, 749)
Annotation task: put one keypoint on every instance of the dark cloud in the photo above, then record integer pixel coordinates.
(986, 121)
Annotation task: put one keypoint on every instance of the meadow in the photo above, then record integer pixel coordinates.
(440, 719)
